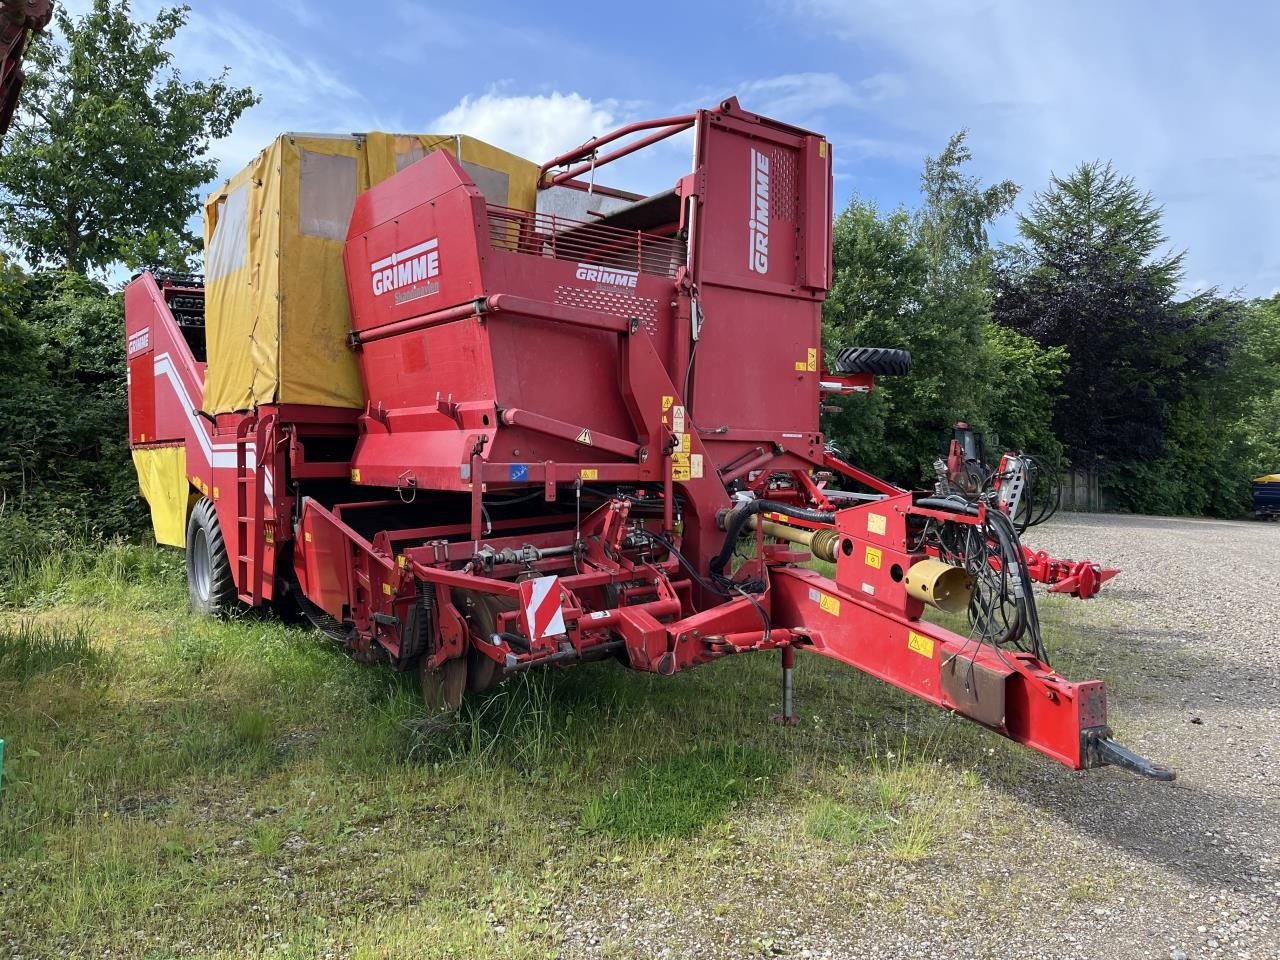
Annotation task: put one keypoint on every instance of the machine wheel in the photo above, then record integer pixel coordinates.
(884, 361)
(209, 582)
(483, 672)
(442, 689)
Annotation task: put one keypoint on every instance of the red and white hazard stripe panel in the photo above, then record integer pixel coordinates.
(540, 605)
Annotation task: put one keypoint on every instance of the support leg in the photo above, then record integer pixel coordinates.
(788, 716)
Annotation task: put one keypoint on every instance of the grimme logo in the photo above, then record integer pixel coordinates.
(407, 267)
(758, 225)
(607, 277)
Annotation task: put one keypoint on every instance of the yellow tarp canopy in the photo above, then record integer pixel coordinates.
(162, 478)
(276, 310)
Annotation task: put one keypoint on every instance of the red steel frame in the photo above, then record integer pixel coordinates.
(652, 372)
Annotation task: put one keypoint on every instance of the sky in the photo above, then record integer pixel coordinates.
(1180, 95)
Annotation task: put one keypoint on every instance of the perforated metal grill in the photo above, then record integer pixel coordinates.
(644, 309)
(783, 189)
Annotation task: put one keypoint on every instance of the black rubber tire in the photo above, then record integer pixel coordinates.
(882, 361)
(210, 585)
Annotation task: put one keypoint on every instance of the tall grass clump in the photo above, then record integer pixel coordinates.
(29, 649)
(38, 572)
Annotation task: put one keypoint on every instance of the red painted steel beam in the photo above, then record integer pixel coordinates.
(675, 125)
(1011, 693)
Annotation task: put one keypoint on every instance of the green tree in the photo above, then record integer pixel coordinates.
(1091, 274)
(922, 282)
(110, 144)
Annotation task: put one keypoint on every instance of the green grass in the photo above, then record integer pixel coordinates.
(29, 648)
(680, 794)
(176, 786)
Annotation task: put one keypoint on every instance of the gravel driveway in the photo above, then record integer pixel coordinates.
(1100, 864)
(1183, 870)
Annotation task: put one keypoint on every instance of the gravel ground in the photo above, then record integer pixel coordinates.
(1101, 864)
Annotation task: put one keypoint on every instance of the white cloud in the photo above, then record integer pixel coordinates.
(801, 97)
(1043, 87)
(536, 127)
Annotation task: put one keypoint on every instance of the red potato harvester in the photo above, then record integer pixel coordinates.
(559, 410)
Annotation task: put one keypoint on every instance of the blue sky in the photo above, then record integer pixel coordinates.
(1180, 95)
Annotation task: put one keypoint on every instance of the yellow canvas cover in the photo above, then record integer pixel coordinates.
(276, 311)
(162, 478)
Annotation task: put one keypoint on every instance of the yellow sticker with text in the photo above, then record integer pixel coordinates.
(801, 366)
(667, 401)
(876, 523)
(918, 643)
(873, 557)
(386, 588)
(588, 474)
(811, 363)
(830, 605)
(355, 476)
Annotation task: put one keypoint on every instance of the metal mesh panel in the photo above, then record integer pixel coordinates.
(559, 238)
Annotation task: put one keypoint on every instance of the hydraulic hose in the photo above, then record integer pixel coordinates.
(953, 506)
(736, 519)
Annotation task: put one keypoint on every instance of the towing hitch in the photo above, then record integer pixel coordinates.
(1099, 749)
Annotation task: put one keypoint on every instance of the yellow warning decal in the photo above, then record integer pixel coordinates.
(680, 466)
(667, 401)
(584, 437)
(307, 536)
(216, 495)
(919, 643)
(588, 474)
(402, 562)
(355, 475)
(811, 362)
(386, 588)
(876, 523)
(830, 605)
(801, 366)
(873, 557)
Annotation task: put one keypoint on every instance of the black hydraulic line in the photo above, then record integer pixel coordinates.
(954, 506)
(737, 521)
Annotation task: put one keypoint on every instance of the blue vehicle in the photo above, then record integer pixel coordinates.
(1266, 497)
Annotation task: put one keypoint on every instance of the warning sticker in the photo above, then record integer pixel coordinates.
(667, 401)
(811, 362)
(918, 643)
(873, 557)
(695, 466)
(828, 603)
(584, 436)
(876, 523)
(677, 419)
(681, 471)
(590, 474)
